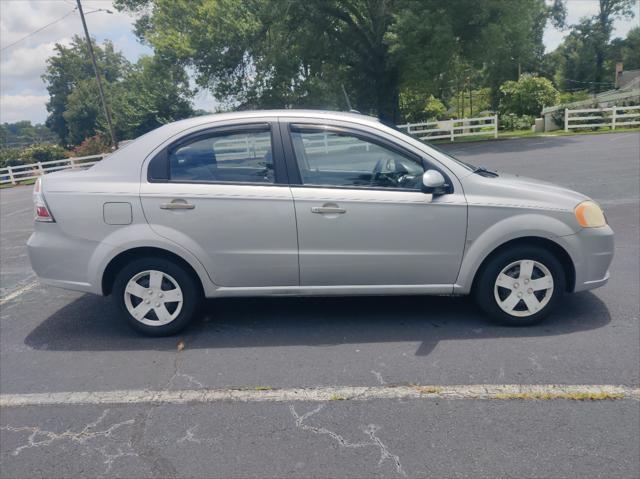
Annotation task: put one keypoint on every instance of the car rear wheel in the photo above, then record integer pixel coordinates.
(520, 286)
(157, 297)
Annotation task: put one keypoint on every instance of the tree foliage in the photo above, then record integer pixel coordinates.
(23, 133)
(527, 96)
(402, 60)
(586, 58)
(283, 53)
(142, 96)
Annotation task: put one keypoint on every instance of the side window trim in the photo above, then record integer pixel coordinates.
(160, 162)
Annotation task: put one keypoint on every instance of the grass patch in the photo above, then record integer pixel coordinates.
(427, 389)
(263, 388)
(337, 397)
(572, 396)
(507, 135)
(23, 182)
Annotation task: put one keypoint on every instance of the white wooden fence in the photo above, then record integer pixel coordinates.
(452, 129)
(16, 174)
(614, 117)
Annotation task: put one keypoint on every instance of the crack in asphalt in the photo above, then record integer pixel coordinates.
(370, 431)
(38, 437)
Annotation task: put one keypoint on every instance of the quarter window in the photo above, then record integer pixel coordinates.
(328, 158)
(244, 157)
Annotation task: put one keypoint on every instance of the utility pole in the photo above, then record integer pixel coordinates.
(346, 97)
(107, 113)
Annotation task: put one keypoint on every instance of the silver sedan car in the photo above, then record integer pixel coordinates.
(308, 203)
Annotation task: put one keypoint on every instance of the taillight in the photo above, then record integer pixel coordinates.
(42, 211)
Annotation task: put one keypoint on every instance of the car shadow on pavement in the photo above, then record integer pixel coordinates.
(93, 323)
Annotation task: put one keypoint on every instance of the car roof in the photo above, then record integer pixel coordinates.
(290, 113)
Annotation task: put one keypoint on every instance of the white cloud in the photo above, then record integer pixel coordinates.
(578, 9)
(23, 107)
(22, 64)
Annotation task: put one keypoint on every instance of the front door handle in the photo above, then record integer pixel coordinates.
(177, 205)
(328, 210)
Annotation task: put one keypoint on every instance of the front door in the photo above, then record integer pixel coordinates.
(222, 195)
(362, 216)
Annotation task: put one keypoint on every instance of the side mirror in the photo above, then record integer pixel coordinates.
(433, 182)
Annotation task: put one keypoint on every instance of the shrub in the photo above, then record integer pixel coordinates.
(44, 152)
(527, 96)
(10, 157)
(511, 122)
(416, 107)
(31, 154)
(93, 145)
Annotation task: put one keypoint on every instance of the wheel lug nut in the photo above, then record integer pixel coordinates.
(161, 295)
(146, 301)
(529, 291)
(519, 295)
(516, 285)
(157, 305)
(150, 291)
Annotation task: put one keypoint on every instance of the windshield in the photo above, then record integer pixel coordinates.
(468, 166)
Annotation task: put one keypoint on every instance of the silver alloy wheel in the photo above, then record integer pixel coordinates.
(523, 288)
(154, 298)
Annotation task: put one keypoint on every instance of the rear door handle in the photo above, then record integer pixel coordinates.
(177, 205)
(328, 210)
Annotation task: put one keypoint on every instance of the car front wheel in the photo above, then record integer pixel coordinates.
(157, 296)
(520, 286)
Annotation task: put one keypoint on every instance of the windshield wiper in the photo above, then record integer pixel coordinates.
(482, 171)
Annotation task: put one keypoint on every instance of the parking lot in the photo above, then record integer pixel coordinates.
(54, 341)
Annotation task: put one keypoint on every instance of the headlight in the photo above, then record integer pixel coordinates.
(590, 215)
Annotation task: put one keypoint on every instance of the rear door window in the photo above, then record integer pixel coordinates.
(235, 157)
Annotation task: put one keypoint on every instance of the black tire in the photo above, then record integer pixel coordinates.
(191, 295)
(486, 280)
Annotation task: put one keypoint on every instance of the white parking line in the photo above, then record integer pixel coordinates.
(359, 393)
(18, 292)
(18, 212)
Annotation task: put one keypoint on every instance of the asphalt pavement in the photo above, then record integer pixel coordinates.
(59, 341)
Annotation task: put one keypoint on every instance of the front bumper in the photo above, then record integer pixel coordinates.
(592, 253)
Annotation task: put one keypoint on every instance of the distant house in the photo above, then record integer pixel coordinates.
(628, 80)
(627, 92)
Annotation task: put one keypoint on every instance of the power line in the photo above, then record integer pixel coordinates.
(52, 23)
(107, 112)
(38, 30)
(590, 82)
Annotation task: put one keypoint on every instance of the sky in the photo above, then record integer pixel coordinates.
(23, 94)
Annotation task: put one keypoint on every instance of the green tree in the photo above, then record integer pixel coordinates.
(283, 53)
(631, 50)
(151, 94)
(23, 133)
(416, 107)
(527, 96)
(586, 58)
(142, 96)
(626, 50)
(70, 66)
(261, 53)
(609, 11)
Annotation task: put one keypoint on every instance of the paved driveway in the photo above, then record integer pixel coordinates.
(56, 341)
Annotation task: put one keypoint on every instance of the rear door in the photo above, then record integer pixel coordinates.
(223, 194)
(362, 216)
